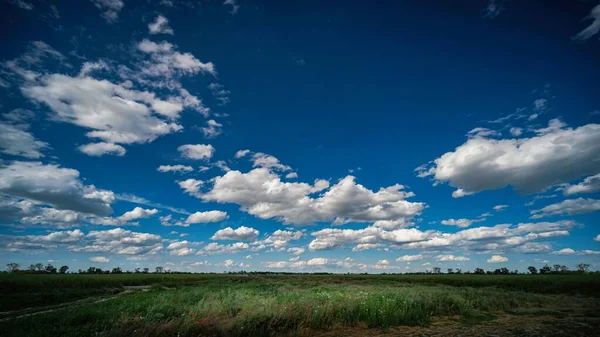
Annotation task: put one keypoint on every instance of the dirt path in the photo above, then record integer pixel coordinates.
(46, 309)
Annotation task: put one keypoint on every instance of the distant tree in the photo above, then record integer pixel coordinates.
(583, 267)
(145, 270)
(159, 270)
(450, 271)
(556, 267)
(32, 267)
(532, 270)
(12, 267)
(545, 269)
(137, 270)
(564, 269)
(437, 270)
(458, 271)
(479, 271)
(50, 269)
(39, 266)
(91, 270)
(116, 271)
(63, 269)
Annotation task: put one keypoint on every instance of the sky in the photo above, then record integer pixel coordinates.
(300, 136)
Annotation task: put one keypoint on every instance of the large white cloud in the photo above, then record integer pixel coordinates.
(204, 217)
(55, 186)
(196, 151)
(555, 155)
(102, 148)
(242, 233)
(593, 28)
(262, 193)
(113, 113)
(122, 242)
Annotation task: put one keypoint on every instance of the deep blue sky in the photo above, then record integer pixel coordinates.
(329, 89)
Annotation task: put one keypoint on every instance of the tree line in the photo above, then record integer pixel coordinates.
(39, 268)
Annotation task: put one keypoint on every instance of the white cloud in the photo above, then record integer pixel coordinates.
(138, 213)
(165, 61)
(488, 164)
(213, 129)
(463, 223)
(196, 151)
(593, 28)
(219, 93)
(191, 186)
(242, 153)
(540, 104)
(174, 168)
(269, 162)
(497, 259)
(568, 207)
(102, 148)
(215, 248)
(22, 4)
(16, 141)
(564, 251)
(331, 238)
(113, 113)
(410, 258)
(99, 259)
(110, 9)
(597, 238)
(263, 194)
(204, 217)
(242, 233)
(296, 250)
(122, 242)
(459, 193)
(499, 208)
(291, 175)
(590, 184)
(55, 186)
(160, 26)
(450, 257)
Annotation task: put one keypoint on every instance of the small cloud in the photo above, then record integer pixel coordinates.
(493, 9)
(497, 259)
(160, 26)
(593, 28)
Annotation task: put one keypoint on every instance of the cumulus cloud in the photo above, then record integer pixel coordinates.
(122, 242)
(219, 93)
(196, 151)
(175, 168)
(450, 257)
(296, 250)
(102, 148)
(459, 193)
(113, 113)
(205, 217)
(191, 186)
(564, 251)
(497, 259)
(166, 61)
(215, 248)
(410, 258)
(16, 141)
(261, 192)
(212, 129)
(331, 238)
(590, 184)
(160, 25)
(597, 238)
(555, 154)
(593, 28)
(241, 153)
(53, 185)
(242, 233)
(568, 207)
(138, 213)
(461, 222)
(99, 259)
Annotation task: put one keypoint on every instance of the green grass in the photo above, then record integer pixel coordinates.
(270, 305)
(27, 290)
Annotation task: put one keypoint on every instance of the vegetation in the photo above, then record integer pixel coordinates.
(275, 304)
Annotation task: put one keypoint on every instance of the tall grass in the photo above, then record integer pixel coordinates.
(260, 307)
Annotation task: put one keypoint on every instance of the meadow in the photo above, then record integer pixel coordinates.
(297, 305)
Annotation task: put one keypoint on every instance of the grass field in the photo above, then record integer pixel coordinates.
(297, 305)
